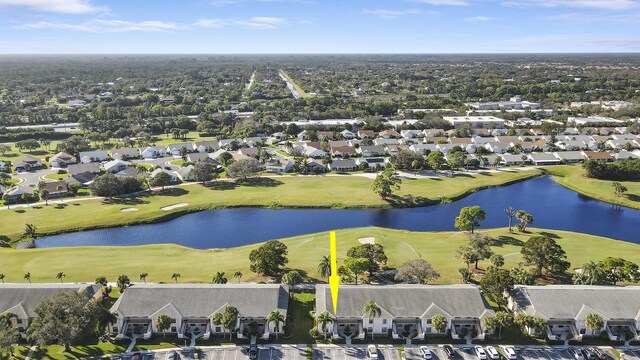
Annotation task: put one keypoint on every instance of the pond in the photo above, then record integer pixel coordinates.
(552, 206)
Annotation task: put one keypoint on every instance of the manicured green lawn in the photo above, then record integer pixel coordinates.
(573, 178)
(161, 261)
(56, 352)
(282, 191)
(56, 176)
(299, 320)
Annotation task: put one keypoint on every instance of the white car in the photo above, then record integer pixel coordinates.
(493, 353)
(425, 352)
(510, 352)
(372, 350)
(482, 355)
(576, 353)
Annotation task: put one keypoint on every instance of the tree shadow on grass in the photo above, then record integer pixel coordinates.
(126, 201)
(462, 175)
(549, 235)
(173, 192)
(20, 211)
(503, 240)
(632, 197)
(222, 185)
(60, 206)
(260, 182)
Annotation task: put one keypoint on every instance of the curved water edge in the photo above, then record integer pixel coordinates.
(552, 205)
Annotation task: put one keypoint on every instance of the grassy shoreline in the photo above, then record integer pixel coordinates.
(572, 177)
(84, 264)
(348, 192)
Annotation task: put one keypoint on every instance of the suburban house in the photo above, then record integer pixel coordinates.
(249, 151)
(363, 134)
(115, 166)
(184, 173)
(346, 134)
(27, 163)
(343, 151)
(313, 152)
(161, 170)
(372, 162)
(343, 165)
(540, 159)
(406, 311)
(510, 159)
(383, 141)
(566, 307)
(411, 134)
(174, 149)
(278, 166)
(191, 308)
(570, 157)
(476, 122)
(125, 154)
(599, 156)
(206, 146)
(21, 300)
(62, 159)
(83, 173)
(201, 157)
(15, 193)
(153, 152)
(93, 156)
(315, 167)
(253, 141)
(226, 143)
(55, 188)
(371, 150)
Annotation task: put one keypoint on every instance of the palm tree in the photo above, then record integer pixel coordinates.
(594, 322)
(511, 212)
(26, 197)
(175, 277)
(30, 231)
(163, 322)
(45, 195)
(27, 276)
(2, 278)
(123, 282)
(60, 188)
(371, 310)
(324, 267)
(219, 278)
(323, 319)
(144, 276)
(60, 276)
(237, 275)
(276, 318)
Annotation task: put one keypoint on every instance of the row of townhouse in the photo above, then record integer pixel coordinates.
(404, 311)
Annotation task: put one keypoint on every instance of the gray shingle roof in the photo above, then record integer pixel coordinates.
(202, 300)
(14, 297)
(406, 300)
(576, 301)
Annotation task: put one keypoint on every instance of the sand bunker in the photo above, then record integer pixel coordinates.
(171, 207)
(367, 240)
(129, 209)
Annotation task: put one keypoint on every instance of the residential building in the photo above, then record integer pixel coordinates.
(27, 163)
(191, 308)
(406, 310)
(153, 152)
(343, 165)
(206, 146)
(476, 122)
(115, 166)
(174, 149)
(21, 300)
(125, 153)
(565, 309)
(157, 171)
(368, 151)
(278, 166)
(540, 159)
(184, 173)
(599, 156)
(344, 151)
(55, 188)
(570, 157)
(62, 159)
(93, 156)
(593, 120)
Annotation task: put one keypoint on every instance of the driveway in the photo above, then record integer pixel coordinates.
(31, 178)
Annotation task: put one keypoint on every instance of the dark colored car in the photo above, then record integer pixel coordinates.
(253, 351)
(448, 350)
(588, 354)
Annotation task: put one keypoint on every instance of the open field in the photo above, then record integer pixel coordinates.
(161, 261)
(284, 191)
(572, 177)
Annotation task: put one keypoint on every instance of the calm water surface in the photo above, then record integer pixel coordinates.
(552, 206)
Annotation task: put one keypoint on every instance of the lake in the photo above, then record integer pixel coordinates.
(552, 206)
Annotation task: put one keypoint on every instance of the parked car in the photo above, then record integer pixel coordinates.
(482, 355)
(599, 353)
(253, 351)
(372, 350)
(425, 352)
(493, 353)
(448, 350)
(136, 356)
(173, 356)
(510, 352)
(588, 354)
(576, 353)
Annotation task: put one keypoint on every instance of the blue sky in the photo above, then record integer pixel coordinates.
(318, 26)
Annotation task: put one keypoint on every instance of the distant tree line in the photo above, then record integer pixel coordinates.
(628, 170)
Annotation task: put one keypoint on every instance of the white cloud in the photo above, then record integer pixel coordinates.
(117, 26)
(57, 6)
(105, 26)
(627, 18)
(392, 14)
(478, 19)
(444, 2)
(593, 4)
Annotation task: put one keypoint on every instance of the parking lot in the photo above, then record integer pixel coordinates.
(288, 352)
(632, 354)
(348, 353)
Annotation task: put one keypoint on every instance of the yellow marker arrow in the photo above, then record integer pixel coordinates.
(334, 279)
